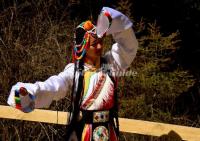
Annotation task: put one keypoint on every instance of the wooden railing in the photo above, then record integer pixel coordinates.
(126, 125)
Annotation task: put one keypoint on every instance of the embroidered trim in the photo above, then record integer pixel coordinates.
(95, 92)
(17, 100)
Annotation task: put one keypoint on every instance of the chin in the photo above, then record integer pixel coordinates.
(98, 54)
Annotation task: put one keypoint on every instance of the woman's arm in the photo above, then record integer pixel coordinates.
(124, 50)
(54, 88)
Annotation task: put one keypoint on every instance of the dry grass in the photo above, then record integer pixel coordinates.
(33, 46)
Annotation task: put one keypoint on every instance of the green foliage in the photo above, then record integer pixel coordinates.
(125, 7)
(152, 92)
(157, 46)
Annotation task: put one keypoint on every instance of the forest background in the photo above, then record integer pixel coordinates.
(36, 38)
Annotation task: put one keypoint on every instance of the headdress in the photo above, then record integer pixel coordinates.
(81, 39)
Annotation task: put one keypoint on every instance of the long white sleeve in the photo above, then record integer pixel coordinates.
(54, 88)
(124, 50)
(120, 22)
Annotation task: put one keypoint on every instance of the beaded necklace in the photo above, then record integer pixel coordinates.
(80, 50)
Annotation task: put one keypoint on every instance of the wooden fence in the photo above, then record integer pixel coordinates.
(126, 125)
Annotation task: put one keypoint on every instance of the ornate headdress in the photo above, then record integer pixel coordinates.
(81, 39)
(85, 29)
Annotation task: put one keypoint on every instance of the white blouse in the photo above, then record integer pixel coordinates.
(56, 87)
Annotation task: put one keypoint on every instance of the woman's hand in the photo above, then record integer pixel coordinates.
(21, 99)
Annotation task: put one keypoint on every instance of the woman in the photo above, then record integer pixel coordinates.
(96, 98)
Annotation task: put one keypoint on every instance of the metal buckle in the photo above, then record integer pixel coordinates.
(100, 116)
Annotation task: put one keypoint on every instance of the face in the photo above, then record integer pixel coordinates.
(95, 48)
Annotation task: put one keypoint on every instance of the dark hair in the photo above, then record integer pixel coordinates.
(79, 34)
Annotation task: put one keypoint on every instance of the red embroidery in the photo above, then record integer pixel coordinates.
(95, 92)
